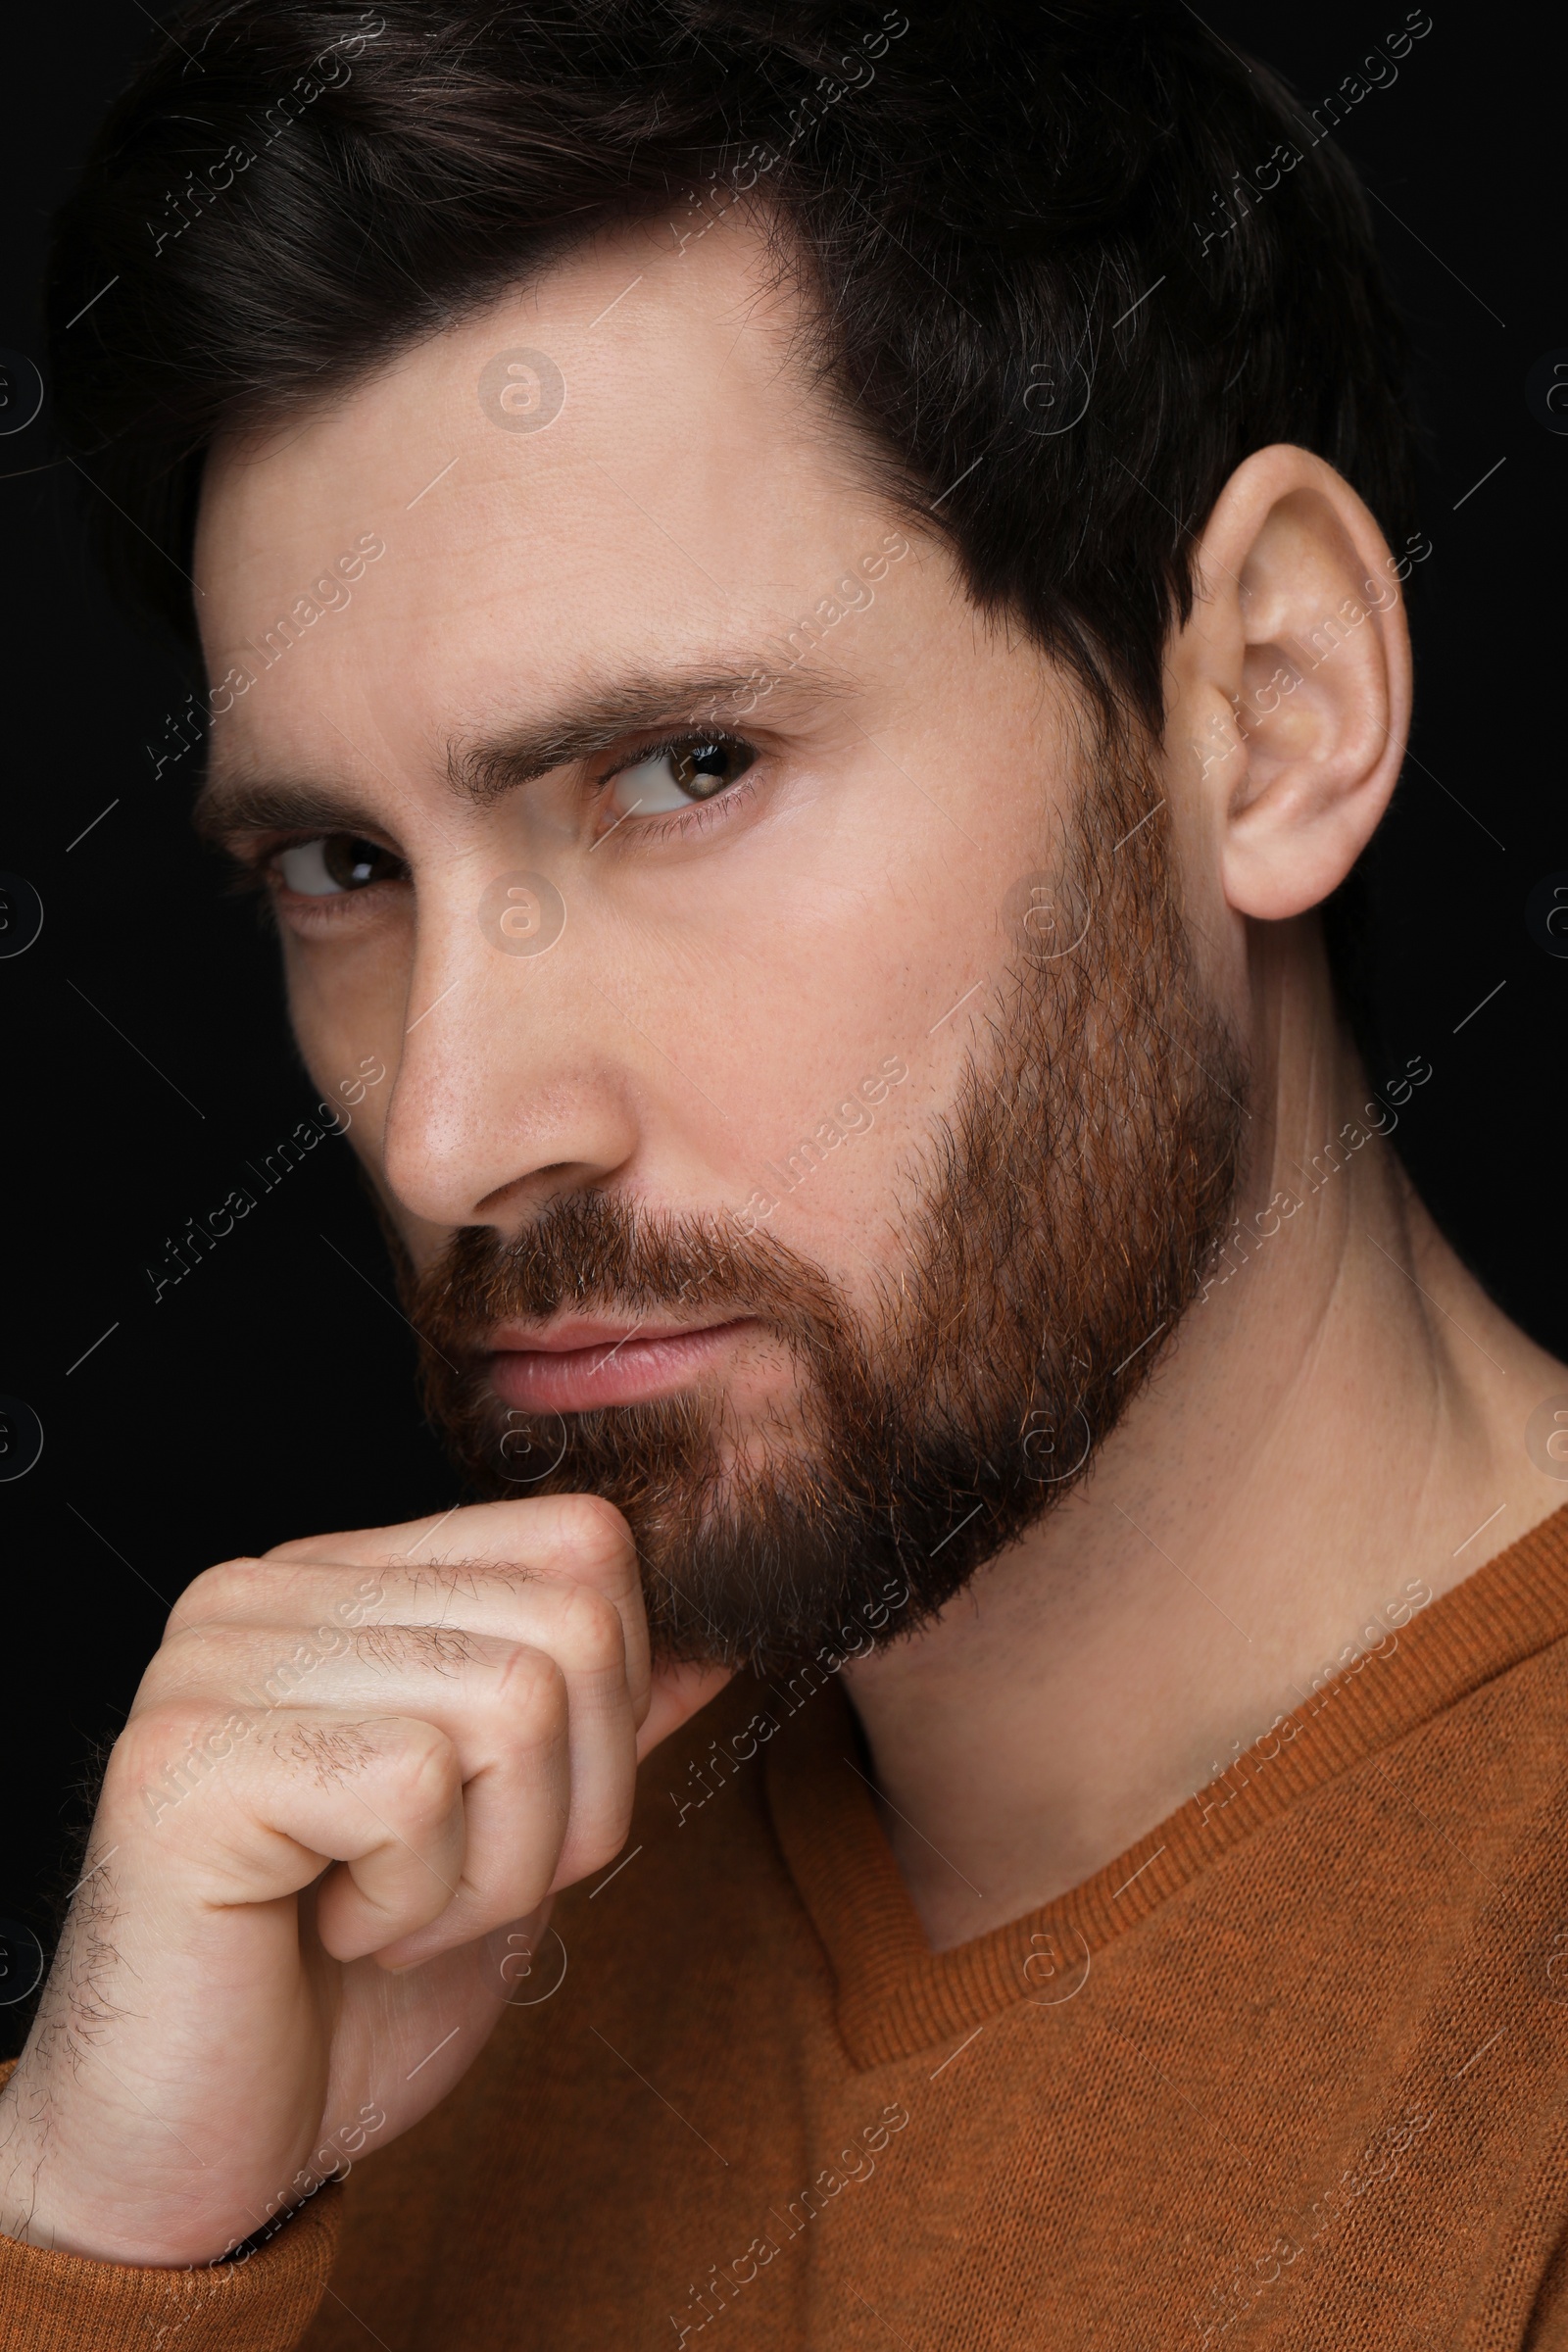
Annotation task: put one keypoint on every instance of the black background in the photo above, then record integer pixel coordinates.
(146, 1057)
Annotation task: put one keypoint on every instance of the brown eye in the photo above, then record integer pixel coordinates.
(704, 768)
(353, 864)
(335, 864)
(696, 768)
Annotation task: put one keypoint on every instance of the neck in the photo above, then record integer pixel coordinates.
(1335, 1430)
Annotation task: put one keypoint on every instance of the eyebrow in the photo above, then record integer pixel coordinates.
(228, 806)
(484, 771)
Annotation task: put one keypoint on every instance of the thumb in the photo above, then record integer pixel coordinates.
(677, 1694)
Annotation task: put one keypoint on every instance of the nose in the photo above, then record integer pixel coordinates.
(507, 1092)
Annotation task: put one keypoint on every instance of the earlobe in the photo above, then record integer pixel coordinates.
(1294, 677)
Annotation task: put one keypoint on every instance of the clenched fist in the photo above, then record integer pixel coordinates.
(354, 1775)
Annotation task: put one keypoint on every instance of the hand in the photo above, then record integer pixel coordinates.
(354, 1775)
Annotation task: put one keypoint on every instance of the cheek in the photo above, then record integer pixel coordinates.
(833, 1178)
(346, 1009)
(805, 1013)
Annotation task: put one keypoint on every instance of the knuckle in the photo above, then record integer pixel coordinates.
(167, 1724)
(589, 1629)
(207, 1594)
(532, 1691)
(185, 1650)
(597, 1536)
(171, 1735)
(423, 1772)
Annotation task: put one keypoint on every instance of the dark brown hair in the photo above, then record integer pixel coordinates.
(1074, 261)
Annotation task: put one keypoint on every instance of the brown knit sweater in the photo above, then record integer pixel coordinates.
(1291, 2072)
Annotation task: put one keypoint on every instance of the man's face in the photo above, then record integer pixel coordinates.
(753, 937)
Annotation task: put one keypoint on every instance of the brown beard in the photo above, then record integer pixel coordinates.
(1059, 1224)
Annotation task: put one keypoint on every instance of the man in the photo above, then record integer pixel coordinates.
(803, 615)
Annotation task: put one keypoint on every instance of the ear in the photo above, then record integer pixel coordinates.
(1290, 685)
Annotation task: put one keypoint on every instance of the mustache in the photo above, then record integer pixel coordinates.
(749, 1588)
(594, 1252)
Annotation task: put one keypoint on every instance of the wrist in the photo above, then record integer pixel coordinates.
(48, 2202)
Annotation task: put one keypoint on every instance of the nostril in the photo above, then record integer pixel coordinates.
(507, 1197)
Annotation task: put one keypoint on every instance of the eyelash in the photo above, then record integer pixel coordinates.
(700, 814)
(253, 875)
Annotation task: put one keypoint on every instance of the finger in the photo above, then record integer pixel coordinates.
(517, 1816)
(378, 1793)
(543, 1732)
(678, 1692)
(579, 1536)
(257, 1651)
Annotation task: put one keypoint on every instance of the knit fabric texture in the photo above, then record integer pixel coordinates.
(1292, 2071)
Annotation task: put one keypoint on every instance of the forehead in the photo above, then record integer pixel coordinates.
(617, 464)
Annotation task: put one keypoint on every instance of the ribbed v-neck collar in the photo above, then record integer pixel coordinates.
(896, 1997)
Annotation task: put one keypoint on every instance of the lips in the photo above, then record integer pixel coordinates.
(579, 1365)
